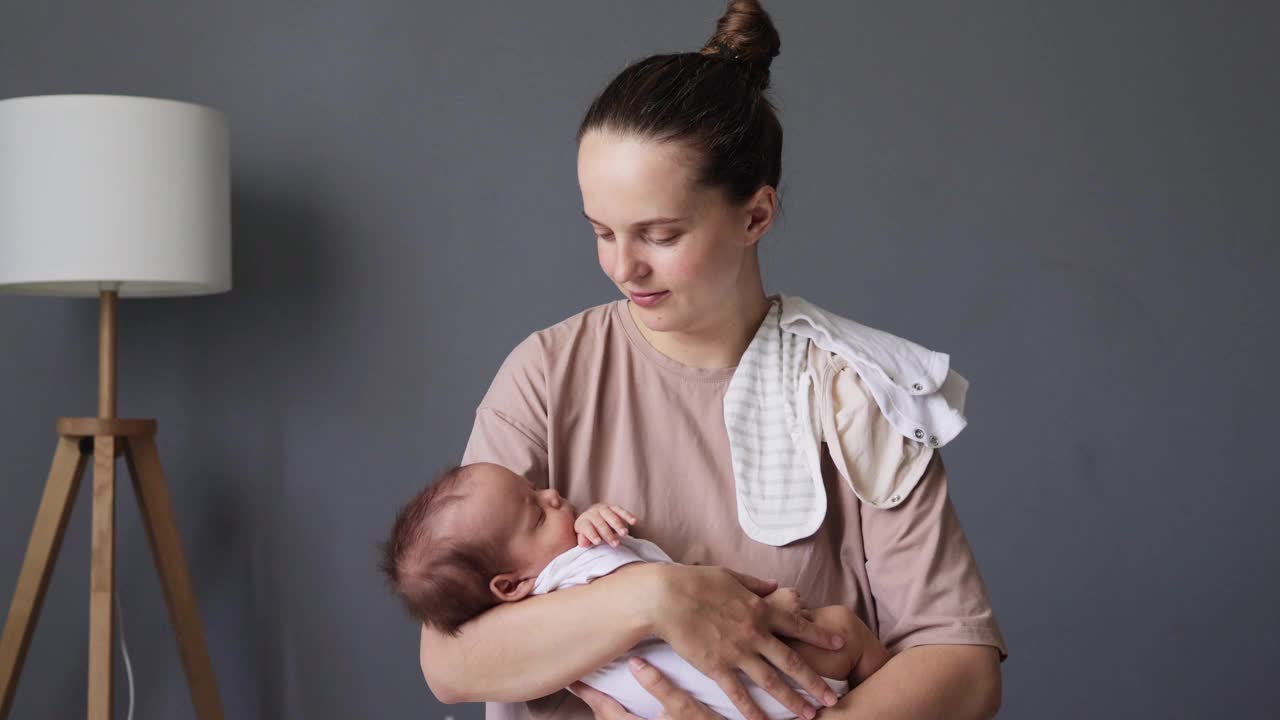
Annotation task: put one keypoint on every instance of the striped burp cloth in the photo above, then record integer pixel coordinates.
(773, 437)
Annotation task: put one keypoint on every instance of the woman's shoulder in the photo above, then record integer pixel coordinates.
(551, 345)
(595, 320)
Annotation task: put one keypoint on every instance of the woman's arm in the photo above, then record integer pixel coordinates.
(928, 681)
(714, 618)
(520, 651)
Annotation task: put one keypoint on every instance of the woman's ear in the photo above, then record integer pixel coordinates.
(508, 587)
(761, 210)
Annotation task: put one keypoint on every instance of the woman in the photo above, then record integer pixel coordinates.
(678, 162)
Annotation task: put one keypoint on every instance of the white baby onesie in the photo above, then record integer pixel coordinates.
(582, 565)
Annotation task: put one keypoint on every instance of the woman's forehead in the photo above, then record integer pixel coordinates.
(625, 179)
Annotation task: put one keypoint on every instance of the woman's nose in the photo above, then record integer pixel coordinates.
(626, 264)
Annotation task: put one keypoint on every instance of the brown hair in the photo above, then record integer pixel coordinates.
(442, 581)
(712, 101)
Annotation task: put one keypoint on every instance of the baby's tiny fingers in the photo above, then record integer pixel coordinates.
(606, 532)
(623, 512)
(614, 521)
(591, 534)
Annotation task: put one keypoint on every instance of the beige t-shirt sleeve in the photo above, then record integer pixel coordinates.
(511, 421)
(923, 576)
(927, 586)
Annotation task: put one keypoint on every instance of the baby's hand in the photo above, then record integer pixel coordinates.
(602, 522)
(786, 598)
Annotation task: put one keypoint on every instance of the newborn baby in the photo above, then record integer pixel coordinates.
(481, 535)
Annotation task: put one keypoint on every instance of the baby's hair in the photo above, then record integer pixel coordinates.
(443, 581)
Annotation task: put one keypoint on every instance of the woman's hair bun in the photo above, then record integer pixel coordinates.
(745, 33)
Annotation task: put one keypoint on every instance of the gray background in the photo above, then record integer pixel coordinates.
(1075, 200)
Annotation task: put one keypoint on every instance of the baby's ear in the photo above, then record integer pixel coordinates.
(508, 587)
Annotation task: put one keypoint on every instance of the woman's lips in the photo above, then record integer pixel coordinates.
(648, 299)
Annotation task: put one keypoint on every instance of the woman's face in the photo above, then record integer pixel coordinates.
(680, 252)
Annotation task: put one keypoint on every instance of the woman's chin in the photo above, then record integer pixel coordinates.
(669, 317)
(659, 322)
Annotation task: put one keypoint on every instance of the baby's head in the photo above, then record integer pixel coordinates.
(477, 536)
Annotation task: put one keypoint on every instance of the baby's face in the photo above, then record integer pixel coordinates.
(536, 525)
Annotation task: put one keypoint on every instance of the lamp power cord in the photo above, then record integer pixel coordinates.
(124, 651)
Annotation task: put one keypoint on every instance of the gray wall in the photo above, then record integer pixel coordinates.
(1075, 200)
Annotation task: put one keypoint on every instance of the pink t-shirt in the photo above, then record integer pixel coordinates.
(589, 407)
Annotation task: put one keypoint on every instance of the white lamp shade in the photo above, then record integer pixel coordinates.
(106, 191)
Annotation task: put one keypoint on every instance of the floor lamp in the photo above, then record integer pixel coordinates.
(110, 197)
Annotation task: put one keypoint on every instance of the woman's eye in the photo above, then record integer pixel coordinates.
(664, 240)
(604, 236)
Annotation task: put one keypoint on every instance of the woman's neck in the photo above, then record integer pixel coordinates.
(720, 345)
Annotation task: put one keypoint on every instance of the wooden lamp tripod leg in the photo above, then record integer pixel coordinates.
(102, 578)
(37, 566)
(162, 532)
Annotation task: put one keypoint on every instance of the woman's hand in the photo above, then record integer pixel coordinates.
(602, 706)
(716, 619)
(676, 703)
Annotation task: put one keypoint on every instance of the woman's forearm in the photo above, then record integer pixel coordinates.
(927, 682)
(525, 650)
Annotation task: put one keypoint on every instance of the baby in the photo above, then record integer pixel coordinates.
(480, 535)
